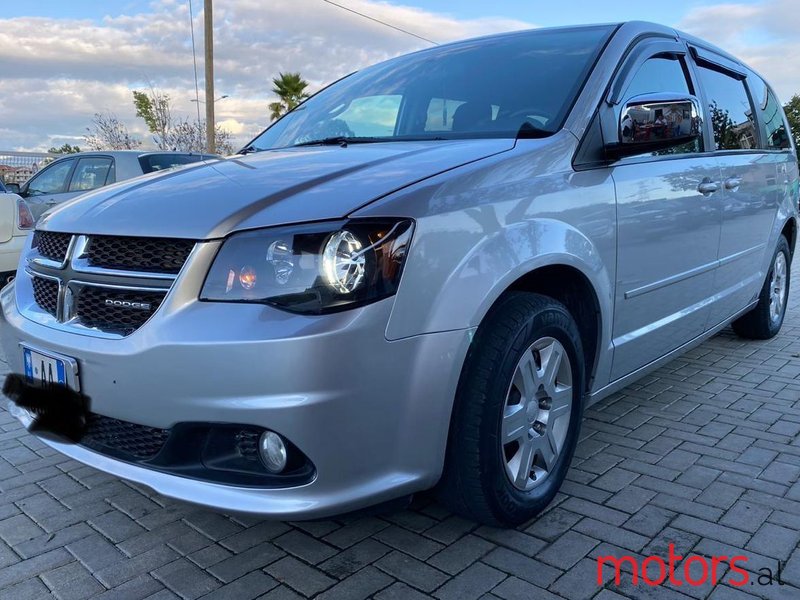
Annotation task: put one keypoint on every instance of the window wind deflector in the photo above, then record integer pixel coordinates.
(715, 62)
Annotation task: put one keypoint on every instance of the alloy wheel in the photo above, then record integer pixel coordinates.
(777, 288)
(536, 414)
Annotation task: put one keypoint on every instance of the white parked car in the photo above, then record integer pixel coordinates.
(15, 222)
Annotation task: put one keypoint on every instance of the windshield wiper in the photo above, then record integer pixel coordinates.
(341, 140)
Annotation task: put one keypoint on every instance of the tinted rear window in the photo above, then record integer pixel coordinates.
(161, 162)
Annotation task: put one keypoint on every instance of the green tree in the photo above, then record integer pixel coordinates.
(725, 134)
(291, 91)
(176, 133)
(154, 107)
(792, 110)
(64, 149)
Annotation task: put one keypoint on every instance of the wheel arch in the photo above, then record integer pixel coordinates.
(573, 289)
(789, 231)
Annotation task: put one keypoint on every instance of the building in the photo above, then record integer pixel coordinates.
(18, 167)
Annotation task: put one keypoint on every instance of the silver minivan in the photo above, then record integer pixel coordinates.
(417, 279)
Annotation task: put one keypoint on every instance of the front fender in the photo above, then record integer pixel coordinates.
(486, 270)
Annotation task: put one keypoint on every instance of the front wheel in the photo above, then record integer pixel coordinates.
(517, 414)
(765, 320)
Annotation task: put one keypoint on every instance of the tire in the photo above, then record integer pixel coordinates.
(494, 399)
(765, 320)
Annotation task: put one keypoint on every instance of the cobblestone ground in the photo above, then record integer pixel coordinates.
(704, 453)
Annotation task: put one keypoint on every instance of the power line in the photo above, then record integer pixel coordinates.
(194, 58)
(355, 12)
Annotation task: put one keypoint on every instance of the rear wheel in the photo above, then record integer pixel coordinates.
(765, 320)
(517, 414)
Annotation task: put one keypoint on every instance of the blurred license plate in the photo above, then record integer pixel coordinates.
(42, 370)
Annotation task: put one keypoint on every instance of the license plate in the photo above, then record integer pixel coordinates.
(42, 370)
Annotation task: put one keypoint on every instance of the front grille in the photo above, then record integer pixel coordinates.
(51, 245)
(93, 310)
(96, 296)
(140, 441)
(45, 293)
(154, 255)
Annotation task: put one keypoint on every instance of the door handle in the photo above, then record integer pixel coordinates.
(708, 187)
(732, 183)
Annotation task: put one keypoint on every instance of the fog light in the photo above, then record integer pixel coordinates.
(273, 451)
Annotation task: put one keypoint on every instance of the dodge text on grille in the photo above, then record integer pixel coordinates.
(126, 304)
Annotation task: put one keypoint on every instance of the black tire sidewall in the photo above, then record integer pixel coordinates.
(510, 504)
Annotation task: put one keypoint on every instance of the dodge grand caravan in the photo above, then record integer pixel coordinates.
(417, 279)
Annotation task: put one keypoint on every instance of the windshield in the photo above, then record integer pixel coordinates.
(482, 88)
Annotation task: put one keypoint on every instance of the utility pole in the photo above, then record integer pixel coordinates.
(208, 18)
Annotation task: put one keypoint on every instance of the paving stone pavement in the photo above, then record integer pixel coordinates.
(704, 453)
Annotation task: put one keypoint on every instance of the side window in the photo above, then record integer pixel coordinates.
(370, 116)
(729, 110)
(52, 180)
(774, 122)
(90, 173)
(659, 75)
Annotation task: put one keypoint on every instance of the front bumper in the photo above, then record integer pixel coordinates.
(371, 415)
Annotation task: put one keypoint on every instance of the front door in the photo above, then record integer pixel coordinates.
(668, 232)
(44, 190)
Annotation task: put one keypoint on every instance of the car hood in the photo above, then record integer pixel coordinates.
(275, 187)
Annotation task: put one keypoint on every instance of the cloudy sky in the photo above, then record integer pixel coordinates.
(62, 61)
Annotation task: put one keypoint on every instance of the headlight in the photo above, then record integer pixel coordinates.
(311, 269)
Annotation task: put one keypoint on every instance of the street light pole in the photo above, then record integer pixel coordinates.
(209, 60)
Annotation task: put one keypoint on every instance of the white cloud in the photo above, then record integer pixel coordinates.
(763, 34)
(58, 72)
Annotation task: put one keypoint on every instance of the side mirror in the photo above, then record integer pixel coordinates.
(13, 188)
(653, 122)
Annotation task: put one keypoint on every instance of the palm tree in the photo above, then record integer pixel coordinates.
(290, 88)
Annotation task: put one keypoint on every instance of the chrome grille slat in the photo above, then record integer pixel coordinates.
(103, 284)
